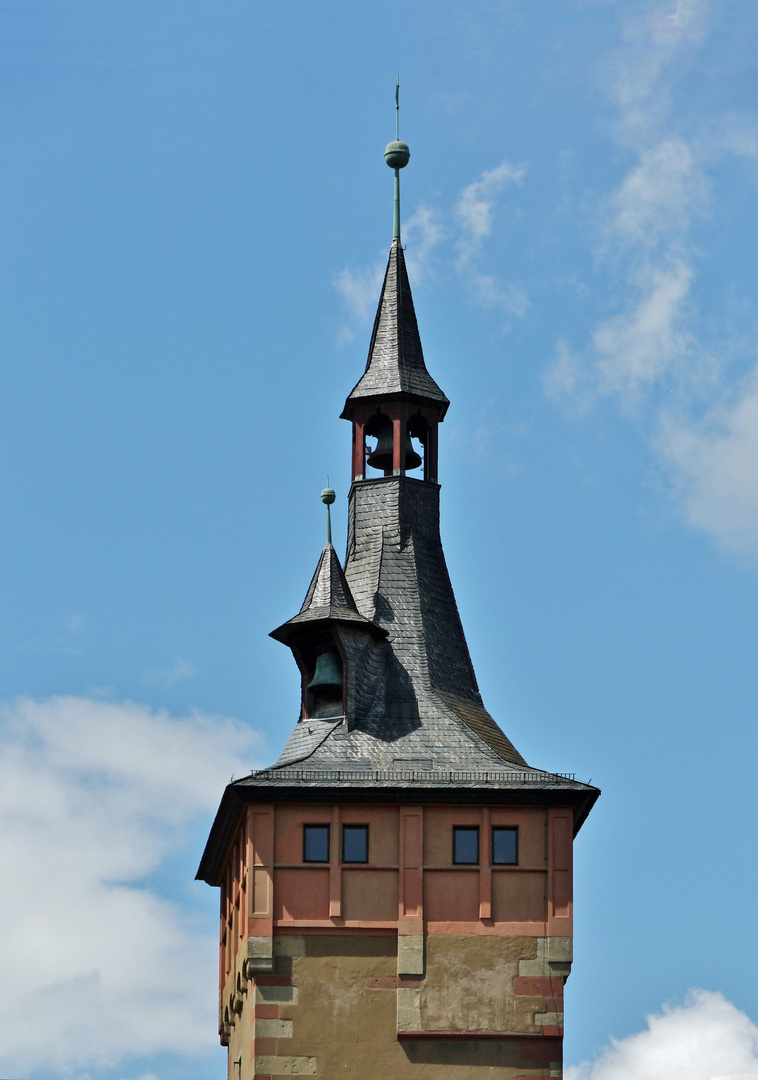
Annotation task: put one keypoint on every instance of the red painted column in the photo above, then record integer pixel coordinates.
(359, 452)
(335, 866)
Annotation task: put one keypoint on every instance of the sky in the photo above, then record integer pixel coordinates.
(194, 220)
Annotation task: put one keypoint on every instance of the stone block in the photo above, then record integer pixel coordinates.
(552, 1019)
(560, 949)
(273, 1029)
(260, 955)
(410, 954)
(275, 995)
(408, 1010)
(286, 1066)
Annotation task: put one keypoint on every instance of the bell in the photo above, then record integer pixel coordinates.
(381, 456)
(327, 678)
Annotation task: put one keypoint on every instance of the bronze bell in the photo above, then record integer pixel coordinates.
(381, 456)
(327, 678)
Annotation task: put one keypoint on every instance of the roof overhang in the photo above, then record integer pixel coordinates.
(581, 797)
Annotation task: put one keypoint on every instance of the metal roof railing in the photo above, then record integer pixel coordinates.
(418, 776)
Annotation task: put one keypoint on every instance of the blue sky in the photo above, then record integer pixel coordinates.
(194, 218)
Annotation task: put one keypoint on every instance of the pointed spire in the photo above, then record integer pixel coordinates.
(395, 364)
(328, 596)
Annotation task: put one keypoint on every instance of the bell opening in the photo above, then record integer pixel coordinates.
(414, 457)
(324, 691)
(418, 431)
(380, 453)
(379, 439)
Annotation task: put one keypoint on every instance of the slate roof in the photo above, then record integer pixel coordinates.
(328, 598)
(416, 698)
(395, 365)
(415, 729)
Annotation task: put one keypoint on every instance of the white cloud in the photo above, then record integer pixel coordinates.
(421, 233)
(180, 671)
(714, 466)
(360, 290)
(474, 213)
(488, 292)
(653, 38)
(653, 350)
(659, 195)
(475, 206)
(94, 795)
(635, 348)
(706, 1038)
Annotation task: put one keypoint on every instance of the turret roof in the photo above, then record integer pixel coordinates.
(328, 597)
(395, 364)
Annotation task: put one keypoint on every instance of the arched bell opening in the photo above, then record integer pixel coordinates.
(322, 669)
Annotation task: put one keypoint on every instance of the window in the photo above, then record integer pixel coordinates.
(504, 847)
(355, 843)
(315, 843)
(465, 845)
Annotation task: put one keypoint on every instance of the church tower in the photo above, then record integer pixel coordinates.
(396, 891)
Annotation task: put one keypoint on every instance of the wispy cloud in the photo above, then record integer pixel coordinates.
(651, 350)
(706, 1038)
(423, 232)
(360, 290)
(474, 210)
(94, 796)
(659, 195)
(178, 672)
(466, 228)
(654, 39)
(714, 467)
(474, 214)
(638, 346)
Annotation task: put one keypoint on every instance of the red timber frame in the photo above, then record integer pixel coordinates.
(400, 414)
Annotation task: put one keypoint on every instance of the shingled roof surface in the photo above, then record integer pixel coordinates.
(415, 727)
(395, 362)
(416, 700)
(328, 597)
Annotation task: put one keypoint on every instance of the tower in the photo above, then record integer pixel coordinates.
(396, 891)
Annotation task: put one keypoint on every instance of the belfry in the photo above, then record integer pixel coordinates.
(396, 890)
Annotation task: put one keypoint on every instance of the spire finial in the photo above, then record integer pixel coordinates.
(397, 156)
(397, 108)
(327, 497)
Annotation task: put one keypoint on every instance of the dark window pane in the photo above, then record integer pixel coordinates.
(465, 845)
(505, 846)
(355, 843)
(315, 843)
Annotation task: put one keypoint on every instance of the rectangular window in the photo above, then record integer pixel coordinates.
(315, 843)
(465, 845)
(355, 843)
(504, 847)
